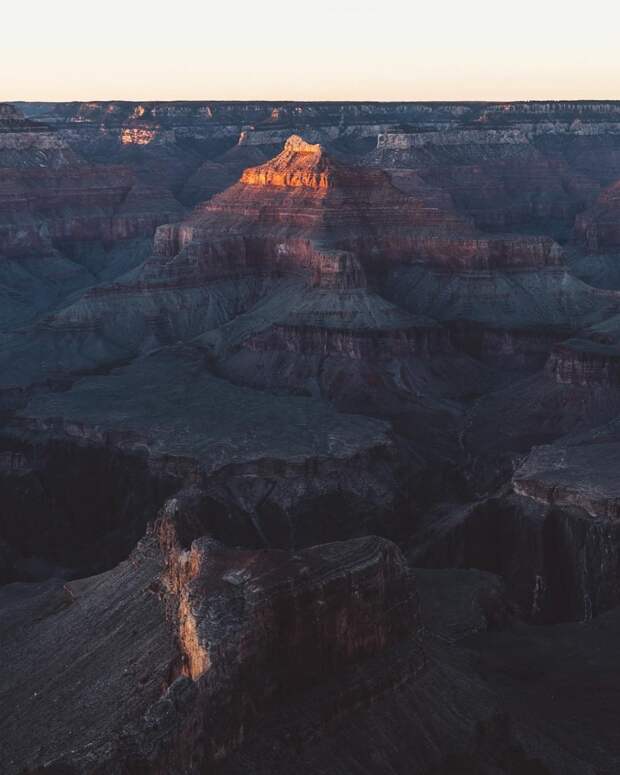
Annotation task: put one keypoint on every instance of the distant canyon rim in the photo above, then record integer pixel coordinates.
(310, 442)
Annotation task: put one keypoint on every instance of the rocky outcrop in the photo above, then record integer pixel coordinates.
(300, 165)
(224, 634)
(305, 197)
(257, 626)
(322, 607)
(332, 197)
(579, 472)
(306, 213)
(144, 135)
(423, 724)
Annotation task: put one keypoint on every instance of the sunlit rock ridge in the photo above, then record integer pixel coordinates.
(310, 432)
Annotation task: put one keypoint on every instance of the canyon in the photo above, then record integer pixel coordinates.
(310, 438)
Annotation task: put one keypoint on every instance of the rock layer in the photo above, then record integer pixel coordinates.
(381, 322)
(222, 616)
(304, 196)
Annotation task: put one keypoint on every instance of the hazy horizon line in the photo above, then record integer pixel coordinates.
(310, 101)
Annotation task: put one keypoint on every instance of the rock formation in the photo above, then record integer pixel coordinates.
(305, 195)
(187, 625)
(60, 215)
(46, 183)
(319, 476)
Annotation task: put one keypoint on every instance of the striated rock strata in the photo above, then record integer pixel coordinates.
(304, 197)
(223, 634)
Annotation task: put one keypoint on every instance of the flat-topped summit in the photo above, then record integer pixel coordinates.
(296, 144)
(300, 164)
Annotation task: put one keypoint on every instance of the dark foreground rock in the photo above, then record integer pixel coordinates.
(165, 663)
(191, 657)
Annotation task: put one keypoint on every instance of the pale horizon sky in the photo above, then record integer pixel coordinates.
(331, 50)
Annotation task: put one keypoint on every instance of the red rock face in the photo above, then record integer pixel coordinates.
(300, 165)
(304, 192)
(294, 606)
(288, 209)
(275, 623)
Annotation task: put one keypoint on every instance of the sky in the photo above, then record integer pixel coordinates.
(323, 50)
